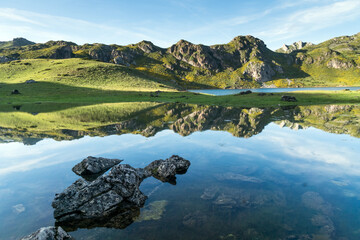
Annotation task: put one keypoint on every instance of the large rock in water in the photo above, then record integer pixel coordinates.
(91, 167)
(49, 233)
(112, 200)
(165, 170)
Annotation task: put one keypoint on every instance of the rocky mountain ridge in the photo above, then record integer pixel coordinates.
(243, 62)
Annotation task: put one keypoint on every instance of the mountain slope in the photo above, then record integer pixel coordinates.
(244, 62)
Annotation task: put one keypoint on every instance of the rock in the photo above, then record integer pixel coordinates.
(30, 81)
(15, 91)
(244, 92)
(288, 98)
(261, 94)
(259, 71)
(293, 47)
(153, 211)
(240, 177)
(91, 166)
(165, 170)
(314, 201)
(49, 233)
(209, 193)
(225, 201)
(112, 200)
(195, 219)
(339, 64)
(4, 59)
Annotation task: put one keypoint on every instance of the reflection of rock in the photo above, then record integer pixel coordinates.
(240, 177)
(49, 233)
(112, 200)
(195, 219)
(153, 211)
(91, 167)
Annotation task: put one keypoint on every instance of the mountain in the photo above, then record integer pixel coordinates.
(244, 62)
(16, 42)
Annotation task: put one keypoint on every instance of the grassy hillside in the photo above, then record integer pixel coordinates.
(80, 73)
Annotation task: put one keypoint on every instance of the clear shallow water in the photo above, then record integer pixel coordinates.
(220, 92)
(278, 183)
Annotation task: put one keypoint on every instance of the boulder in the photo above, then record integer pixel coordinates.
(92, 167)
(112, 200)
(165, 170)
(49, 233)
(30, 81)
(15, 91)
(288, 98)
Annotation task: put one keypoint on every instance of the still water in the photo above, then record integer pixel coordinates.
(255, 173)
(220, 92)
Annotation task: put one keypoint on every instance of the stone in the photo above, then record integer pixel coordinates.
(165, 170)
(30, 81)
(15, 91)
(288, 98)
(49, 233)
(112, 200)
(92, 167)
(195, 220)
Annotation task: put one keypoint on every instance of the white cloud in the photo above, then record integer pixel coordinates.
(42, 27)
(313, 19)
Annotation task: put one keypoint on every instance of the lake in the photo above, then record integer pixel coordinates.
(255, 173)
(220, 92)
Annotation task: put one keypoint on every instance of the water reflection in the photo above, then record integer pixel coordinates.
(149, 118)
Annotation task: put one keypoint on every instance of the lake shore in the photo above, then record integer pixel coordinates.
(51, 93)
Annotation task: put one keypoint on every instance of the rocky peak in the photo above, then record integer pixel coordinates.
(18, 42)
(246, 42)
(293, 47)
(195, 55)
(147, 46)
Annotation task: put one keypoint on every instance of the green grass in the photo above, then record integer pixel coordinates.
(81, 73)
(49, 92)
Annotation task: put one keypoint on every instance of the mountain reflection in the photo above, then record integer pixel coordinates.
(149, 118)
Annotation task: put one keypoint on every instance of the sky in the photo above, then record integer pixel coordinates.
(165, 22)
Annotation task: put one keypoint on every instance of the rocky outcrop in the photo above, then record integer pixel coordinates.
(195, 55)
(49, 233)
(339, 64)
(91, 167)
(4, 59)
(112, 200)
(259, 71)
(293, 47)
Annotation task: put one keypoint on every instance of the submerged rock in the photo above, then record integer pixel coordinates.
(209, 193)
(195, 219)
(153, 211)
(91, 167)
(113, 200)
(49, 233)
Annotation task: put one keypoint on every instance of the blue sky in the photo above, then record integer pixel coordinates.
(164, 22)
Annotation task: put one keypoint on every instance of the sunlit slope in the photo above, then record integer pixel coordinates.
(80, 73)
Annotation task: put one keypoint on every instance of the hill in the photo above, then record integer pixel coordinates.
(244, 62)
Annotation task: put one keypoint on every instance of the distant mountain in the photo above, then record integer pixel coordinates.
(244, 62)
(16, 42)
